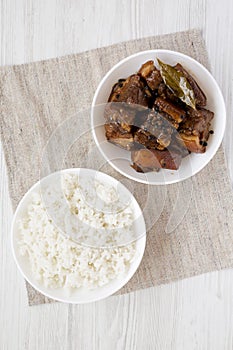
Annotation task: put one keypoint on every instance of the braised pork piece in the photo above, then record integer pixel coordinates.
(154, 128)
(160, 118)
(131, 90)
(145, 160)
(151, 74)
(194, 130)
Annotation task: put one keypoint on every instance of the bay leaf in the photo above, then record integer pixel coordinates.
(177, 83)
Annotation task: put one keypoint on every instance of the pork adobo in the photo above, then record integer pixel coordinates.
(160, 118)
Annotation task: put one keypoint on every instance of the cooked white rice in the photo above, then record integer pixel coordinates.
(57, 261)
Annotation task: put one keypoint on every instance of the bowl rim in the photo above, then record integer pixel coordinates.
(162, 51)
(122, 282)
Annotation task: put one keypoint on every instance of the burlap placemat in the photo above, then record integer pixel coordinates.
(37, 97)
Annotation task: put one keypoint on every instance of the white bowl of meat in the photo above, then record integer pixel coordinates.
(158, 117)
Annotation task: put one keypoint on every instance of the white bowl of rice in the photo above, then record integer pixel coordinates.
(78, 236)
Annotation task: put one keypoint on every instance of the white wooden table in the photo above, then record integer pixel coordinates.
(196, 313)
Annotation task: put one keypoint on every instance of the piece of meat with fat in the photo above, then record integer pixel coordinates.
(121, 114)
(177, 145)
(172, 121)
(118, 136)
(155, 132)
(131, 91)
(175, 112)
(166, 93)
(145, 160)
(199, 95)
(195, 129)
(144, 138)
(151, 74)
